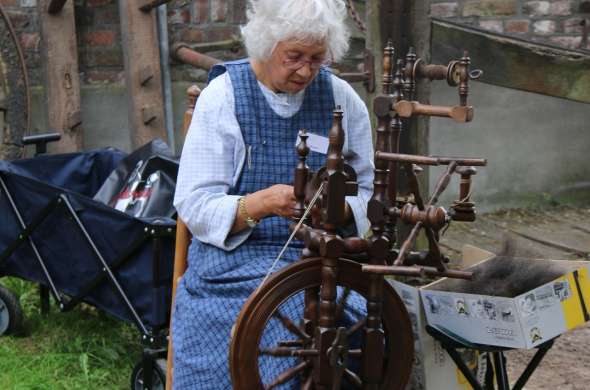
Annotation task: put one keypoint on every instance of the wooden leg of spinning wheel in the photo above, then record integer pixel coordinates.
(183, 238)
(373, 353)
(325, 333)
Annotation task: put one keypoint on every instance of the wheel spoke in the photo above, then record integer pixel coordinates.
(291, 343)
(291, 327)
(358, 325)
(308, 383)
(353, 378)
(287, 375)
(342, 303)
(288, 352)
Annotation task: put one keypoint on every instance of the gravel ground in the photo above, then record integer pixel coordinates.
(566, 365)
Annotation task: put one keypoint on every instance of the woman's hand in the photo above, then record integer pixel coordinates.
(278, 199)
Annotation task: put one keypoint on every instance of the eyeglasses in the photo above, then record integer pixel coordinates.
(298, 63)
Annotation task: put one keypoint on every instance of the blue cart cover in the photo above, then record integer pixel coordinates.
(138, 252)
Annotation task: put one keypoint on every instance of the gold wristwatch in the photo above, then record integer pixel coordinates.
(251, 222)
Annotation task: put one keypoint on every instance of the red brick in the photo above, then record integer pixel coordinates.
(102, 58)
(201, 11)
(239, 12)
(218, 10)
(179, 16)
(492, 25)
(517, 26)
(567, 41)
(572, 26)
(443, 10)
(100, 38)
(220, 33)
(104, 77)
(9, 3)
(544, 26)
(19, 19)
(30, 41)
(536, 8)
(561, 8)
(489, 7)
(192, 35)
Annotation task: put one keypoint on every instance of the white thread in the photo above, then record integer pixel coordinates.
(307, 210)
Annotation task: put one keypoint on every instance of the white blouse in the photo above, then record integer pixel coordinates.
(214, 154)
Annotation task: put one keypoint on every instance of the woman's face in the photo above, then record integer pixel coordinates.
(293, 65)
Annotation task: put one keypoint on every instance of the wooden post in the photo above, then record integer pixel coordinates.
(59, 51)
(183, 239)
(407, 24)
(139, 35)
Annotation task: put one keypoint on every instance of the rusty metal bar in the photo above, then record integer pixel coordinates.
(55, 6)
(233, 44)
(150, 5)
(186, 55)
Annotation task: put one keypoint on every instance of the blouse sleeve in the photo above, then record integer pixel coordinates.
(358, 149)
(212, 157)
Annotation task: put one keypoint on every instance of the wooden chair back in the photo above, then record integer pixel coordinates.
(183, 239)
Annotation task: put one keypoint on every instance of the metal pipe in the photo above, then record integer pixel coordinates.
(162, 21)
(232, 44)
(181, 52)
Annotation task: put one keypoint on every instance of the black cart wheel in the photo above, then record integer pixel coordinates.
(11, 313)
(158, 376)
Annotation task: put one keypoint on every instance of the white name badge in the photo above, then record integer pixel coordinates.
(316, 143)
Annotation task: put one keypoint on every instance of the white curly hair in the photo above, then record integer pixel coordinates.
(273, 21)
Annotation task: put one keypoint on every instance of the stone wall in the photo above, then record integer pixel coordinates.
(556, 22)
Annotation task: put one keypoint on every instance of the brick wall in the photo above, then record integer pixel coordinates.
(557, 22)
(100, 54)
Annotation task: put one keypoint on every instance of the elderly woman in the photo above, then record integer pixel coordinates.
(234, 186)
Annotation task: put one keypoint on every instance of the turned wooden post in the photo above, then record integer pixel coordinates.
(183, 239)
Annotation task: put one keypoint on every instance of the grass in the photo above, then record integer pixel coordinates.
(81, 349)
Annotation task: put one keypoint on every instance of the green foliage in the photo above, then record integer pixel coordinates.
(81, 349)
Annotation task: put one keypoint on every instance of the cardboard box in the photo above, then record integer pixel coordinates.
(522, 321)
(433, 368)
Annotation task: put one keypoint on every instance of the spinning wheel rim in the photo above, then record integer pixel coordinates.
(304, 274)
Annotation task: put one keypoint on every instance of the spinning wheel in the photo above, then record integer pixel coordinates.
(274, 305)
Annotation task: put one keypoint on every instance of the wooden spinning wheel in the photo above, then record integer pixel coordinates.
(304, 277)
(300, 328)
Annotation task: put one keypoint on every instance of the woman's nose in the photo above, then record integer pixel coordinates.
(305, 70)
